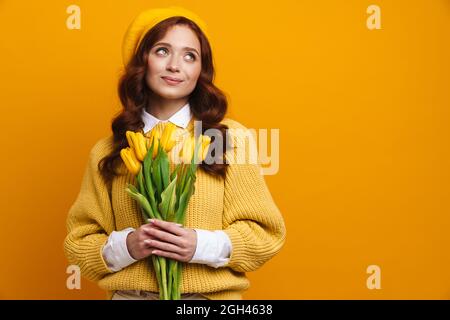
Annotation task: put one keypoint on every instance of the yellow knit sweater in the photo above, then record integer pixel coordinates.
(240, 205)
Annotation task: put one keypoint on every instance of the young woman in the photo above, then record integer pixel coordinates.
(232, 224)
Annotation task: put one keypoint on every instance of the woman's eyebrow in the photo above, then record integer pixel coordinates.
(169, 45)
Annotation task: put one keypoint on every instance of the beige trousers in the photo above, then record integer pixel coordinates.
(147, 295)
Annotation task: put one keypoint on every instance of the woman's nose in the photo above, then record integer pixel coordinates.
(172, 68)
(173, 65)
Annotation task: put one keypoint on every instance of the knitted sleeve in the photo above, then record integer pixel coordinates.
(89, 220)
(251, 218)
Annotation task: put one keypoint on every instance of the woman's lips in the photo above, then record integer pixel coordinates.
(172, 82)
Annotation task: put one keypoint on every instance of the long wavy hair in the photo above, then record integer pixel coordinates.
(208, 103)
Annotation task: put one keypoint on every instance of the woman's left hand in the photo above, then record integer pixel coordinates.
(171, 240)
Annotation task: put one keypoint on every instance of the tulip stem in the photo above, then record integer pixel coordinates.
(164, 277)
(158, 273)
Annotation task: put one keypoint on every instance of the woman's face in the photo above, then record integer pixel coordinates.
(174, 64)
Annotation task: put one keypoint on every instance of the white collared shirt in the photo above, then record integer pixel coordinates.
(213, 247)
(180, 118)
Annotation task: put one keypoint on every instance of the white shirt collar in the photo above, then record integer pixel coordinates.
(181, 118)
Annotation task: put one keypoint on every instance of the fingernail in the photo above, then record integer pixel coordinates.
(179, 224)
(151, 220)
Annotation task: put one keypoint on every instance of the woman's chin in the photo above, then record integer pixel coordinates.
(170, 94)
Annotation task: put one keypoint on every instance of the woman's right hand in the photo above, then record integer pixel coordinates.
(136, 243)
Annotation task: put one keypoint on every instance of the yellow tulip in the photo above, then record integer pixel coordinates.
(187, 151)
(129, 135)
(167, 138)
(131, 162)
(154, 136)
(136, 141)
(149, 139)
(140, 146)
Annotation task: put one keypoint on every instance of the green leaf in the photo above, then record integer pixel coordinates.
(196, 158)
(164, 165)
(149, 156)
(182, 175)
(188, 184)
(140, 181)
(142, 201)
(168, 199)
(132, 188)
(147, 164)
(183, 202)
(174, 174)
(175, 171)
(156, 175)
(144, 215)
(147, 167)
(192, 168)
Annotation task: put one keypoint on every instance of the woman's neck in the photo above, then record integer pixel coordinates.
(163, 109)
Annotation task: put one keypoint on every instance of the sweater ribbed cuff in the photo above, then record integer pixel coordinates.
(95, 266)
(239, 248)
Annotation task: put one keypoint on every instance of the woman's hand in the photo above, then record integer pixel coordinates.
(171, 240)
(136, 243)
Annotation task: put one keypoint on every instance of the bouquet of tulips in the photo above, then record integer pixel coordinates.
(162, 194)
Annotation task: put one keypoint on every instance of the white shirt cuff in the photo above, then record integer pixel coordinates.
(115, 252)
(213, 248)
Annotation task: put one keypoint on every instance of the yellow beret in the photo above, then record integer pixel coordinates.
(147, 20)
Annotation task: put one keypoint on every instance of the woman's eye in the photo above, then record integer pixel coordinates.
(192, 56)
(164, 49)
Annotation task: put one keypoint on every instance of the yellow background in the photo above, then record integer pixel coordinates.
(364, 136)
